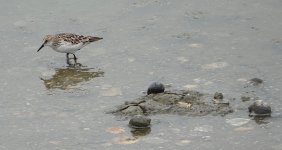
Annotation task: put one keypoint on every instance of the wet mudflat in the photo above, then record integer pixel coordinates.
(206, 46)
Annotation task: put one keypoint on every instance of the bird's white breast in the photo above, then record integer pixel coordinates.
(67, 47)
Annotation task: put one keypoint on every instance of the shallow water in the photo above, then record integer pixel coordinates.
(209, 46)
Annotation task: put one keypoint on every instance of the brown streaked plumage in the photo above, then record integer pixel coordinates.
(67, 42)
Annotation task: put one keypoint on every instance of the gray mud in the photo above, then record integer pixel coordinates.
(199, 45)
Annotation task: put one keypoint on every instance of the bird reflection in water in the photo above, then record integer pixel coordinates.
(71, 76)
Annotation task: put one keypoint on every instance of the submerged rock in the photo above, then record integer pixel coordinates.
(155, 87)
(259, 108)
(218, 99)
(139, 122)
(245, 98)
(256, 81)
(218, 95)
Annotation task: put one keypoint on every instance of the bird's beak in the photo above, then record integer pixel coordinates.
(40, 47)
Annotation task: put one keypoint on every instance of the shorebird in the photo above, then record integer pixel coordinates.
(68, 43)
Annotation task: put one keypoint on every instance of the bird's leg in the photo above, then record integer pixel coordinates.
(68, 59)
(74, 57)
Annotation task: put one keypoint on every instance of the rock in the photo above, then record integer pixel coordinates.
(139, 122)
(245, 98)
(132, 110)
(259, 108)
(192, 97)
(182, 102)
(151, 106)
(218, 99)
(256, 81)
(156, 87)
(167, 98)
(218, 95)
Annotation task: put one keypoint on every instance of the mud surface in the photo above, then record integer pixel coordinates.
(198, 45)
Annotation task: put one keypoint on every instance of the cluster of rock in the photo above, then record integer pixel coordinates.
(182, 102)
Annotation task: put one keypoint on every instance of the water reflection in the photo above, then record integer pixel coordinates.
(67, 78)
(141, 132)
(261, 120)
(137, 134)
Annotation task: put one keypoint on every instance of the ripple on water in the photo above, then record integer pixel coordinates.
(237, 121)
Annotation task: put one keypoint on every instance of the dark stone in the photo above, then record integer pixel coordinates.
(156, 87)
(256, 81)
(139, 122)
(245, 98)
(259, 108)
(218, 95)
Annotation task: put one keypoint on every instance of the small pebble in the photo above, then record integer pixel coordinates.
(218, 95)
(256, 81)
(259, 108)
(245, 98)
(218, 99)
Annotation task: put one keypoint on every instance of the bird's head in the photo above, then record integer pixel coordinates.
(47, 41)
